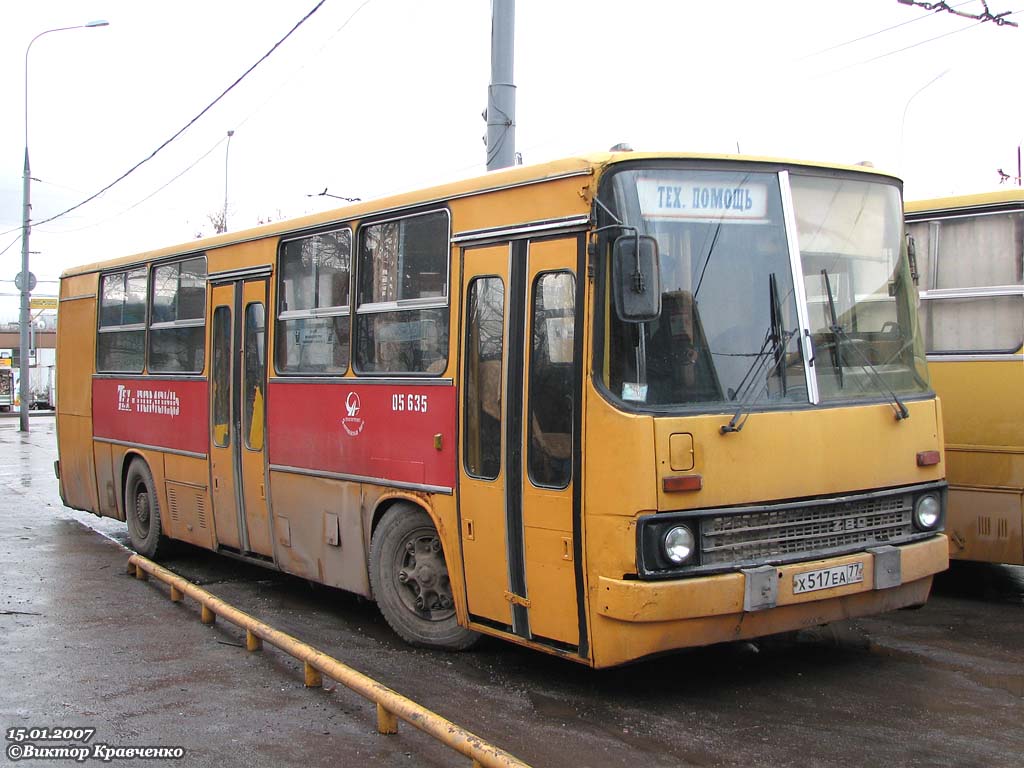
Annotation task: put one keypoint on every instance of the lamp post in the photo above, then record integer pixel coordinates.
(914, 95)
(227, 150)
(25, 278)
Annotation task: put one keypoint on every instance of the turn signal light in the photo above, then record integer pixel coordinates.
(682, 483)
(928, 458)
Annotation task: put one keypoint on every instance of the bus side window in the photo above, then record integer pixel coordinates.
(221, 377)
(485, 322)
(551, 404)
(402, 295)
(254, 373)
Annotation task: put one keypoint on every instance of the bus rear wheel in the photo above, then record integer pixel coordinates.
(410, 581)
(142, 509)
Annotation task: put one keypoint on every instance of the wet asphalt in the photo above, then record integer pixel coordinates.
(84, 645)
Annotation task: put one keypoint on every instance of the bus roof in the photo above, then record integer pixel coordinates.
(1007, 199)
(495, 180)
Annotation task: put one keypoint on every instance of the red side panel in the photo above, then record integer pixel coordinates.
(159, 412)
(392, 432)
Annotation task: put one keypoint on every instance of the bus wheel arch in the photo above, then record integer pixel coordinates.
(409, 578)
(141, 506)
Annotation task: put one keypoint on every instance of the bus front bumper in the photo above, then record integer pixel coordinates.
(639, 618)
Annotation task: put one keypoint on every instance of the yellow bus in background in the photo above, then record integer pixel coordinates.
(970, 259)
(605, 407)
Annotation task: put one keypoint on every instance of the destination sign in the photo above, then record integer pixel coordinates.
(676, 199)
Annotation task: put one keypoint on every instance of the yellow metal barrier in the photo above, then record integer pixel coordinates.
(390, 705)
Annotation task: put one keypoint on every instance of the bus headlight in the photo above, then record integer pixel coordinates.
(679, 544)
(927, 512)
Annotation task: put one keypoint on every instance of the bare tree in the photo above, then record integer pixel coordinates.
(219, 220)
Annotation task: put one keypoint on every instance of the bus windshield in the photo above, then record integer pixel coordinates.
(736, 303)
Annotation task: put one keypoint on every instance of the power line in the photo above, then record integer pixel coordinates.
(985, 15)
(15, 240)
(320, 50)
(215, 146)
(191, 122)
(914, 45)
(240, 123)
(872, 34)
(152, 194)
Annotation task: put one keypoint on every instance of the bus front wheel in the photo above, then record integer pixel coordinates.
(142, 509)
(410, 581)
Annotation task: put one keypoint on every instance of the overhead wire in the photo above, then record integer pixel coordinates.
(912, 46)
(191, 122)
(221, 141)
(288, 79)
(986, 15)
(872, 34)
(152, 194)
(8, 247)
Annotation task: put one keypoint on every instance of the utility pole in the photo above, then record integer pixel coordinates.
(501, 94)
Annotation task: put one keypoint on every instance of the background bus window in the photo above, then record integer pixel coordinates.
(221, 377)
(122, 330)
(255, 337)
(973, 324)
(551, 379)
(177, 331)
(402, 315)
(313, 304)
(485, 328)
(979, 257)
(970, 252)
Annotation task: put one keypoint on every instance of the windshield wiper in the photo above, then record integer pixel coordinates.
(774, 346)
(778, 326)
(839, 334)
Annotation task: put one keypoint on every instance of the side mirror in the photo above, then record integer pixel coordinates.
(636, 278)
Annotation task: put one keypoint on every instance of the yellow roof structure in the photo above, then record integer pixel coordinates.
(495, 180)
(981, 200)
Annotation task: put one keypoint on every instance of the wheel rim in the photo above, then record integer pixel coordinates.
(142, 510)
(421, 576)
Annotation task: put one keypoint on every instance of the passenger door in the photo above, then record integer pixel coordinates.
(238, 417)
(519, 433)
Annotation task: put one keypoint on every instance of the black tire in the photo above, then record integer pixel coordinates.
(410, 581)
(142, 510)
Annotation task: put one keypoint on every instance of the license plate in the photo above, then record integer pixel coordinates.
(827, 578)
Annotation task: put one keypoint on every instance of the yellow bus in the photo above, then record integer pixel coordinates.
(605, 407)
(970, 258)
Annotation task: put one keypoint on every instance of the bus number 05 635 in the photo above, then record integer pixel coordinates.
(408, 402)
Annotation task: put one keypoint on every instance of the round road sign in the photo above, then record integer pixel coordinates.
(19, 282)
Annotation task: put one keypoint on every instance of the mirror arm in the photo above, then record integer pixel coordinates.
(639, 280)
(912, 258)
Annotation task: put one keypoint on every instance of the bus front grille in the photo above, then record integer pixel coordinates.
(790, 532)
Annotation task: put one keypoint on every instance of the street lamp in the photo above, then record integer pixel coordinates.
(25, 280)
(914, 95)
(227, 150)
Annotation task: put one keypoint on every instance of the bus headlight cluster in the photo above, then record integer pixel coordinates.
(927, 512)
(679, 544)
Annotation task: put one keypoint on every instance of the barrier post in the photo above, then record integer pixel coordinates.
(387, 721)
